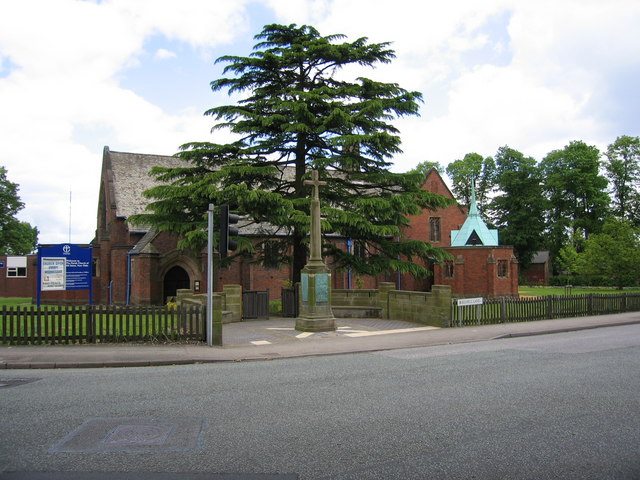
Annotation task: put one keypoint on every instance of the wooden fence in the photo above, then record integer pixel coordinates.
(542, 308)
(95, 323)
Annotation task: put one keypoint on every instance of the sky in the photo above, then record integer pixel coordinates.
(134, 75)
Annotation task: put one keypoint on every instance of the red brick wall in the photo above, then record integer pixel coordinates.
(476, 272)
(451, 218)
(19, 286)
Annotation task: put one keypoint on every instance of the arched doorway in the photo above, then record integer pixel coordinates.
(174, 279)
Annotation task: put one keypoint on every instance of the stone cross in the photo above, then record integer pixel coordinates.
(315, 243)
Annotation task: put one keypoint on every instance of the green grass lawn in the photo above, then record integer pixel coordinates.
(543, 291)
(15, 301)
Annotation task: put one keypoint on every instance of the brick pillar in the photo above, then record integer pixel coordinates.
(233, 301)
(441, 297)
(383, 297)
(514, 272)
(492, 275)
(459, 275)
(145, 289)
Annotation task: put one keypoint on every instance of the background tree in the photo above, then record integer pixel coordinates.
(423, 168)
(576, 192)
(16, 237)
(298, 114)
(568, 258)
(473, 167)
(614, 253)
(623, 168)
(518, 208)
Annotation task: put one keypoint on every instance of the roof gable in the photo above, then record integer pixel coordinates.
(130, 174)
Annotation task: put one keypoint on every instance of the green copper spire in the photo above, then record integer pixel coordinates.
(474, 231)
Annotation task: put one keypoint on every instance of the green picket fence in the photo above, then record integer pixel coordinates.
(100, 324)
(502, 310)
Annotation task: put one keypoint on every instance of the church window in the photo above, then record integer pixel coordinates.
(271, 255)
(434, 229)
(359, 250)
(503, 268)
(448, 269)
(17, 267)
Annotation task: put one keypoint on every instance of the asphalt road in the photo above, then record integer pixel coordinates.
(551, 406)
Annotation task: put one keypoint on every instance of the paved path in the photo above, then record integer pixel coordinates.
(277, 338)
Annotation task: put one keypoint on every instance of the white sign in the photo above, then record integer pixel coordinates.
(463, 302)
(54, 273)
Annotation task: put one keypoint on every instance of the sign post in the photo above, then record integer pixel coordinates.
(465, 302)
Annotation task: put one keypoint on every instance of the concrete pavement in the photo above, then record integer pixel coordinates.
(277, 338)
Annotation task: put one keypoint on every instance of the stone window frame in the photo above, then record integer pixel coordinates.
(503, 268)
(449, 269)
(435, 229)
(271, 253)
(360, 249)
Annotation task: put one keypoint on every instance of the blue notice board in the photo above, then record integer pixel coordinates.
(64, 267)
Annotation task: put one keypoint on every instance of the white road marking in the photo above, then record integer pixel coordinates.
(261, 342)
(349, 332)
(304, 334)
(386, 332)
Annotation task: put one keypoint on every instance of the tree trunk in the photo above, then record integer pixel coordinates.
(299, 247)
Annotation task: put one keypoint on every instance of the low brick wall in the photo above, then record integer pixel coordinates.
(354, 298)
(429, 308)
(230, 299)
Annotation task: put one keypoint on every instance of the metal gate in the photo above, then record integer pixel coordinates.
(255, 304)
(289, 298)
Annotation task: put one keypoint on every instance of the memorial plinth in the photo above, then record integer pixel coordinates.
(315, 285)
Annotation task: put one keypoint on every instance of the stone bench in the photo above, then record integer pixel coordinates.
(356, 311)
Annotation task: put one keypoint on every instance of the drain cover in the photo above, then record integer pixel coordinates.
(133, 435)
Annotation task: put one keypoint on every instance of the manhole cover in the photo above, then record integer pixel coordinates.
(14, 382)
(139, 435)
(133, 435)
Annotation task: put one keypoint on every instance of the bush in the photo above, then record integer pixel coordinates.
(275, 306)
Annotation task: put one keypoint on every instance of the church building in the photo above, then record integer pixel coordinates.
(139, 265)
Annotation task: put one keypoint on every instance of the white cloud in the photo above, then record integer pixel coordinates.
(65, 79)
(163, 54)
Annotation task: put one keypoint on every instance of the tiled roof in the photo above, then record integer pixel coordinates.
(131, 178)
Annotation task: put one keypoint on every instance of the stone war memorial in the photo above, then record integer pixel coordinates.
(315, 288)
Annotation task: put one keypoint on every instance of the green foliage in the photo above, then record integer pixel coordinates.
(623, 169)
(576, 192)
(423, 168)
(16, 237)
(568, 259)
(518, 208)
(297, 114)
(595, 281)
(613, 253)
(473, 168)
